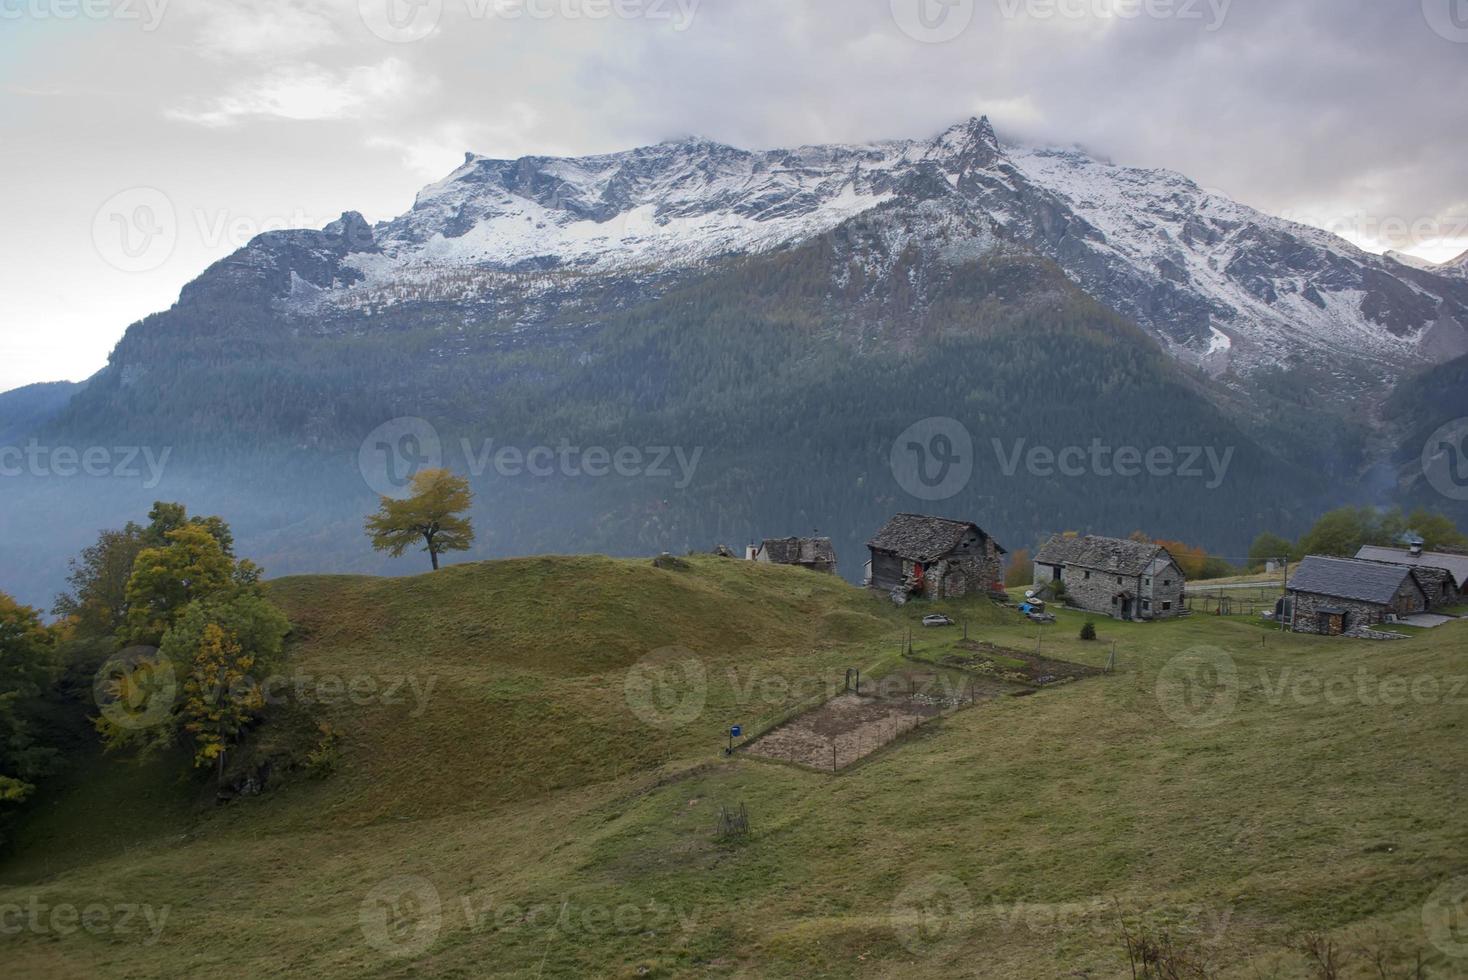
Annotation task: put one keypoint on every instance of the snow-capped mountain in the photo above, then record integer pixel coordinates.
(1216, 282)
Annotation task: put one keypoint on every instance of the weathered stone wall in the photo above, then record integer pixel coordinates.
(1309, 604)
(1166, 587)
(1093, 590)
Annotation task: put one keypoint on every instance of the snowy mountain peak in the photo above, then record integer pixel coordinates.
(1219, 284)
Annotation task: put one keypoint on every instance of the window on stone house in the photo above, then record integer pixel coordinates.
(1166, 606)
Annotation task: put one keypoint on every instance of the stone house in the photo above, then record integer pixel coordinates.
(1332, 596)
(1115, 577)
(816, 554)
(935, 558)
(1443, 575)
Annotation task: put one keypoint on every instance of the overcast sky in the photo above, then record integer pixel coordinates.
(206, 121)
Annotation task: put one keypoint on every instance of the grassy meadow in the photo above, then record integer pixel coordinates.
(525, 769)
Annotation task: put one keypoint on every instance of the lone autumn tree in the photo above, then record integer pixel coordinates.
(433, 513)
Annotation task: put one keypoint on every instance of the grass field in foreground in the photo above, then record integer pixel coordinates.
(539, 797)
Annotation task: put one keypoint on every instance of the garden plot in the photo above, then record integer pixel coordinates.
(850, 726)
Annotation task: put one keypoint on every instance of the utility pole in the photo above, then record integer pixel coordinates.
(1284, 591)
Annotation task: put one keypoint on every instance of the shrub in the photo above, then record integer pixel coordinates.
(1088, 631)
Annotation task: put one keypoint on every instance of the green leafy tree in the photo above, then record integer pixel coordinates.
(432, 513)
(27, 667)
(97, 603)
(1435, 530)
(1341, 532)
(214, 657)
(1268, 547)
(166, 579)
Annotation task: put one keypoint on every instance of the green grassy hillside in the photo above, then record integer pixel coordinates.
(529, 774)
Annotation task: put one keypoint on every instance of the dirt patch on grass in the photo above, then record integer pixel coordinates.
(850, 727)
(1002, 663)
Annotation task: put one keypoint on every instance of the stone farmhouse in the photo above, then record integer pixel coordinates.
(1115, 577)
(816, 554)
(935, 558)
(1443, 575)
(1332, 596)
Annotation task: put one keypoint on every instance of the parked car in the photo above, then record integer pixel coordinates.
(937, 619)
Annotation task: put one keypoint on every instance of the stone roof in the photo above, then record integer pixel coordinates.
(1455, 565)
(918, 537)
(1115, 556)
(1349, 578)
(799, 551)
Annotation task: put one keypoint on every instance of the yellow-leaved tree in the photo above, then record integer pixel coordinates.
(433, 513)
(221, 696)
